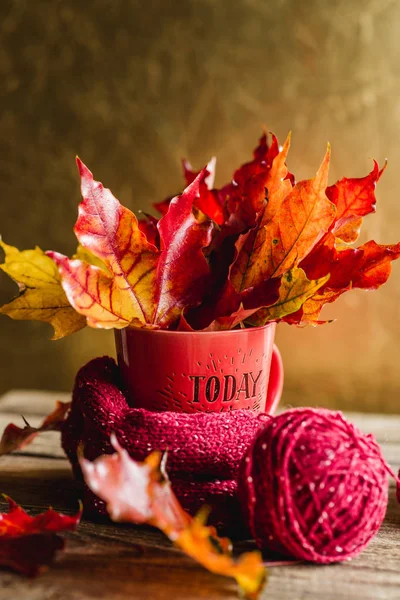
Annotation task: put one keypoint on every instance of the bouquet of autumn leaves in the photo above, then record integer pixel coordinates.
(260, 249)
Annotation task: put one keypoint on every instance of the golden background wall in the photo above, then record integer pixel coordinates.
(132, 86)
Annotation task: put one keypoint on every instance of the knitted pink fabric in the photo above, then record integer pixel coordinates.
(204, 449)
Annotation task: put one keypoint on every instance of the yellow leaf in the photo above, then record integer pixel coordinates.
(42, 297)
(294, 290)
(199, 541)
(88, 257)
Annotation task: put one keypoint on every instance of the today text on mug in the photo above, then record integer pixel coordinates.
(213, 385)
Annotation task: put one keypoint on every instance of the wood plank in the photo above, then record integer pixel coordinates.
(386, 428)
(33, 402)
(105, 560)
(109, 561)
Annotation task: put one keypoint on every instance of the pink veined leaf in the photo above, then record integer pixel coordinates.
(182, 270)
(142, 285)
(125, 294)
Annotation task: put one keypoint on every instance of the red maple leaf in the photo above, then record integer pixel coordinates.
(28, 544)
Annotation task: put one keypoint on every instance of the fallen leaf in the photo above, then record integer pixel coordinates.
(16, 438)
(141, 493)
(28, 544)
(42, 297)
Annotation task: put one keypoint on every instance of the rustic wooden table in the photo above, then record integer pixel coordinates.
(118, 562)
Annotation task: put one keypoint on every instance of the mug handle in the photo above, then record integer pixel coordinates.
(275, 384)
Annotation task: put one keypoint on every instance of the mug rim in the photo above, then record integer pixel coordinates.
(168, 332)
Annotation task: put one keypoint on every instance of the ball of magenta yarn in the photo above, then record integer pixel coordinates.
(313, 487)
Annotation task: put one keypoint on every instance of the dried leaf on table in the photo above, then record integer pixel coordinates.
(28, 544)
(15, 438)
(141, 493)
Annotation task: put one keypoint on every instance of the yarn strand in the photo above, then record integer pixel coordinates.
(314, 487)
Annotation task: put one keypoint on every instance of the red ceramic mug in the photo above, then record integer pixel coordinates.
(201, 371)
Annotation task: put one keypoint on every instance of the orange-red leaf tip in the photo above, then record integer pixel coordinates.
(286, 145)
(83, 169)
(380, 172)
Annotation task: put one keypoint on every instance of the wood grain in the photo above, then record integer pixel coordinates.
(108, 561)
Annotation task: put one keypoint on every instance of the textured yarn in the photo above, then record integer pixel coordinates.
(204, 449)
(314, 487)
